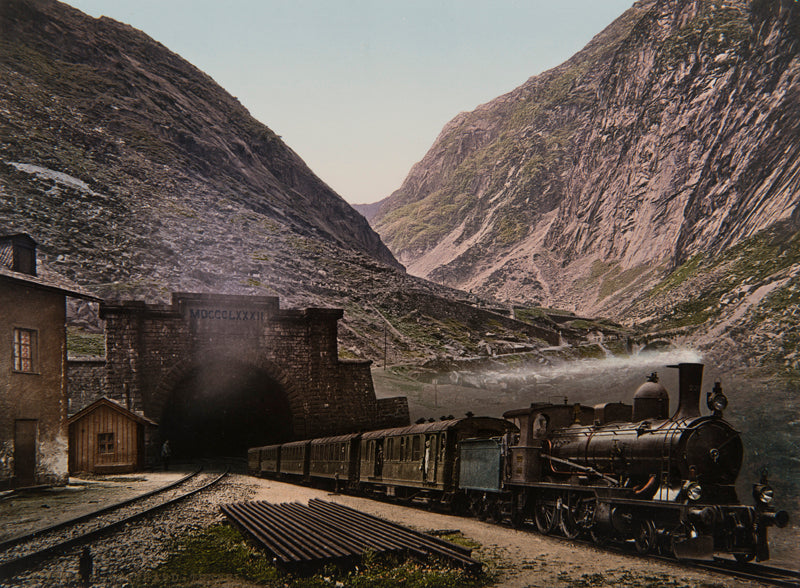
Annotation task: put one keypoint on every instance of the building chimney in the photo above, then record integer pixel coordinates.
(690, 381)
(18, 253)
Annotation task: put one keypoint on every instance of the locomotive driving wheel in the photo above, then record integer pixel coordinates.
(545, 515)
(575, 515)
(645, 537)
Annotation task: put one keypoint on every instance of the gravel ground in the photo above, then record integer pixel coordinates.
(522, 558)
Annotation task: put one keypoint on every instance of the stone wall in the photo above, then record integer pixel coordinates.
(150, 349)
(392, 412)
(85, 382)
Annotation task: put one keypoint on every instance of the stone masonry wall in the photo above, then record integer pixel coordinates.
(149, 349)
(85, 382)
(392, 412)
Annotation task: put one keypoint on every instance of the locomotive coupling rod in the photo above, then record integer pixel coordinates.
(578, 466)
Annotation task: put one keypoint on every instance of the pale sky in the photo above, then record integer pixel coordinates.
(360, 89)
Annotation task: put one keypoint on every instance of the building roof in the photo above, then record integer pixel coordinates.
(73, 291)
(114, 405)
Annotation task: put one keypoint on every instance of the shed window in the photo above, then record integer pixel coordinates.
(25, 341)
(105, 443)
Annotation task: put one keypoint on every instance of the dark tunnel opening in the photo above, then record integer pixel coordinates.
(221, 410)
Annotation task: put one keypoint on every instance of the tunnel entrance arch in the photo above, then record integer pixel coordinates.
(220, 408)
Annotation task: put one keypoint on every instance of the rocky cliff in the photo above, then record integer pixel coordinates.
(672, 136)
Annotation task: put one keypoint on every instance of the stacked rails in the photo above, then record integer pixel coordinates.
(322, 532)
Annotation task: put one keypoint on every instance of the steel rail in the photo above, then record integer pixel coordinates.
(321, 531)
(14, 541)
(466, 551)
(413, 539)
(276, 547)
(13, 567)
(374, 536)
(353, 544)
(303, 546)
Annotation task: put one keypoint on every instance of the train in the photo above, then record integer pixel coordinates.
(613, 472)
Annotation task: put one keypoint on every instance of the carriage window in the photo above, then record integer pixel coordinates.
(415, 448)
(402, 448)
(390, 448)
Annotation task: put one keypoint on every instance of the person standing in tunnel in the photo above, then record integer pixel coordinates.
(166, 453)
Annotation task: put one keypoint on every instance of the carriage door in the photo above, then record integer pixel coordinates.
(378, 458)
(25, 452)
(431, 457)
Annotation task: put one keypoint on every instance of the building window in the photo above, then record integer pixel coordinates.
(24, 350)
(105, 443)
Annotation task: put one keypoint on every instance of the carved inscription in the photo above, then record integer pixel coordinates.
(225, 314)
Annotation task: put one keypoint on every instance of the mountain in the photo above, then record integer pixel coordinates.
(139, 176)
(655, 154)
(87, 96)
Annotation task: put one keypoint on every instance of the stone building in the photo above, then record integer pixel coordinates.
(33, 357)
(220, 373)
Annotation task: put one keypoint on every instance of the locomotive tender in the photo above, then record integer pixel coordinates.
(615, 472)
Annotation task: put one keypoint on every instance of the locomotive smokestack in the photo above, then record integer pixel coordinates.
(690, 381)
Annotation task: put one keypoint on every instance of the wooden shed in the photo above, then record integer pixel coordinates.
(105, 438)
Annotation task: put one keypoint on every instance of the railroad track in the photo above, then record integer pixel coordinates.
(757, 572)
(726, 567)
(27, 551)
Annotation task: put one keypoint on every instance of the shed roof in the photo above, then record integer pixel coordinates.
(114, 405)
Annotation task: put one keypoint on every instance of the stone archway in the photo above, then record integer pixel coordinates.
(222, 407)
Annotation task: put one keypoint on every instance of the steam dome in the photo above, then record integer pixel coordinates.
(651, 400)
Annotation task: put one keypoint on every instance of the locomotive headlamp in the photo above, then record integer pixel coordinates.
(716, 400)
(766, 495)
(694, 491)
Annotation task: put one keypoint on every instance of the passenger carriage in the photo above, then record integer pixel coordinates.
(294, 459)
(420, 460)
(264, 461)
(335, 459)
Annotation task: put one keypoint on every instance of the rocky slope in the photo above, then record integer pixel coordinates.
(672, 134)
(139, 176)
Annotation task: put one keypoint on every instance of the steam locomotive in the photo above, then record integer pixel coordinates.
(613, 472)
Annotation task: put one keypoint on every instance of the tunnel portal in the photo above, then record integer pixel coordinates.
(218, 373)
(221, 409)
